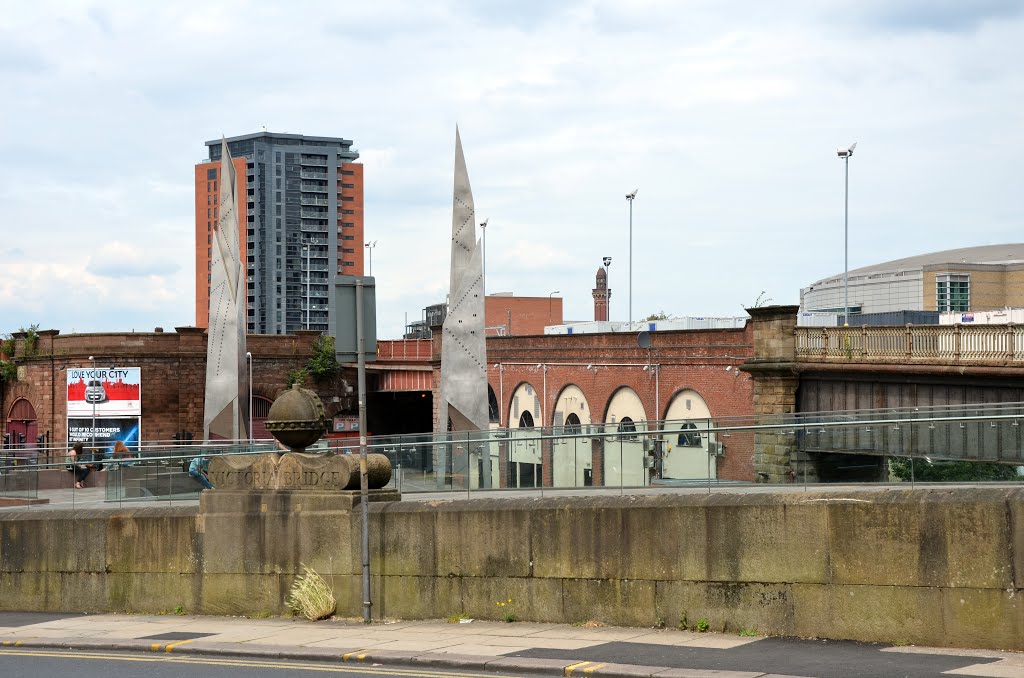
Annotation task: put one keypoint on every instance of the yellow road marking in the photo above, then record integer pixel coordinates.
(171, 646)
(571, 668)
(14, 643)
(595, 667)
(355, 653)
(155, 647)
(179, 659)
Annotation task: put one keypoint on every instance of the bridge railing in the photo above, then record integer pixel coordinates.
(939, 344)
(633, 456)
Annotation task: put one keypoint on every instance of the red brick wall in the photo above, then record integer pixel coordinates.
(529, 314)
(692, 359)
(173, 376)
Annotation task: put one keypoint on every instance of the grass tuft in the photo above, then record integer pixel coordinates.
(311, 597)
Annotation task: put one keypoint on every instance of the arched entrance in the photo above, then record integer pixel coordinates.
(572, 458)
(260, 410)
(624, 454)
(525, 465)
(685, 453)
(22, 425)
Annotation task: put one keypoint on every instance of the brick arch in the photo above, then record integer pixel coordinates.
(578, 405)
(493, 408)
(23, 422)
(529, 400)
(261, 406)
(685, 454)
(633, 412)
(677, 392)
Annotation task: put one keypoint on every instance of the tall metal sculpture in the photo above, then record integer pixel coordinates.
(463, 351)
(226, 412)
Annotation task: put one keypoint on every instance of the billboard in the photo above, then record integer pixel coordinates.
(104, 392)
(107, 431)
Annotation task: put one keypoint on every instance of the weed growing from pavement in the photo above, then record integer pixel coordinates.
(703, 625)
(749, 633)
(505, 608)
(179, 610)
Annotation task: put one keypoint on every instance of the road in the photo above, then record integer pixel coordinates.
(769, 658)
(50, 663)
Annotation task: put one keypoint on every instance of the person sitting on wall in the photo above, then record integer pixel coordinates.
(76, 464)
(122, 453)
(200, 469)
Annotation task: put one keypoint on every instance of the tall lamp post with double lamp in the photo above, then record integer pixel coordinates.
(483, 231)
(369, 249)
(607, 261)
(630, 197)
(846, 154)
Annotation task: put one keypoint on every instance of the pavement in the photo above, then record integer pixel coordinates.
(518, 647)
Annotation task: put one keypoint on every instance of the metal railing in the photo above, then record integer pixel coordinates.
(636, 456)
(920, 343)
(404, 349)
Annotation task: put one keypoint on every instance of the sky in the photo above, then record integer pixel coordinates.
(726, 115)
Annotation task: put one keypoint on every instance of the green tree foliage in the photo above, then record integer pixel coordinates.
(952, 471)
(323, 365)
(297, 376)
(660, 315)
(31, 338)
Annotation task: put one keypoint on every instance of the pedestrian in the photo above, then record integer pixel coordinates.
(77, 465)
(199, 469)
(122, 453)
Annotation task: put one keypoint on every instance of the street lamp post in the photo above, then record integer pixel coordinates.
(630, 197)
(549, 304)
(369, 248)
(248, 359)
(483, 230)
(93, 360)
(607, 261)
(845, 154)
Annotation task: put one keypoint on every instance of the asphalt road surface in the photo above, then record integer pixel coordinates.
(55, 663)
(780, 658)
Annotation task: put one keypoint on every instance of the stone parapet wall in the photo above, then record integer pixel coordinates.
(939, 567)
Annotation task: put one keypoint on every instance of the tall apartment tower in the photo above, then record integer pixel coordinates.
(303, 225)
(602, 295)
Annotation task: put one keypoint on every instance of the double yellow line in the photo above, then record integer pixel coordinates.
(584, 667)
(157, 647)
(244, 663)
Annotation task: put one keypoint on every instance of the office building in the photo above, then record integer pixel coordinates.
(968, 279)
(301, 223)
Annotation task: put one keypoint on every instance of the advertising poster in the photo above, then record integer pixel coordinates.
(108, 431)
(104, 392)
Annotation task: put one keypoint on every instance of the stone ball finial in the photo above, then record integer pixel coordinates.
(297, 418)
